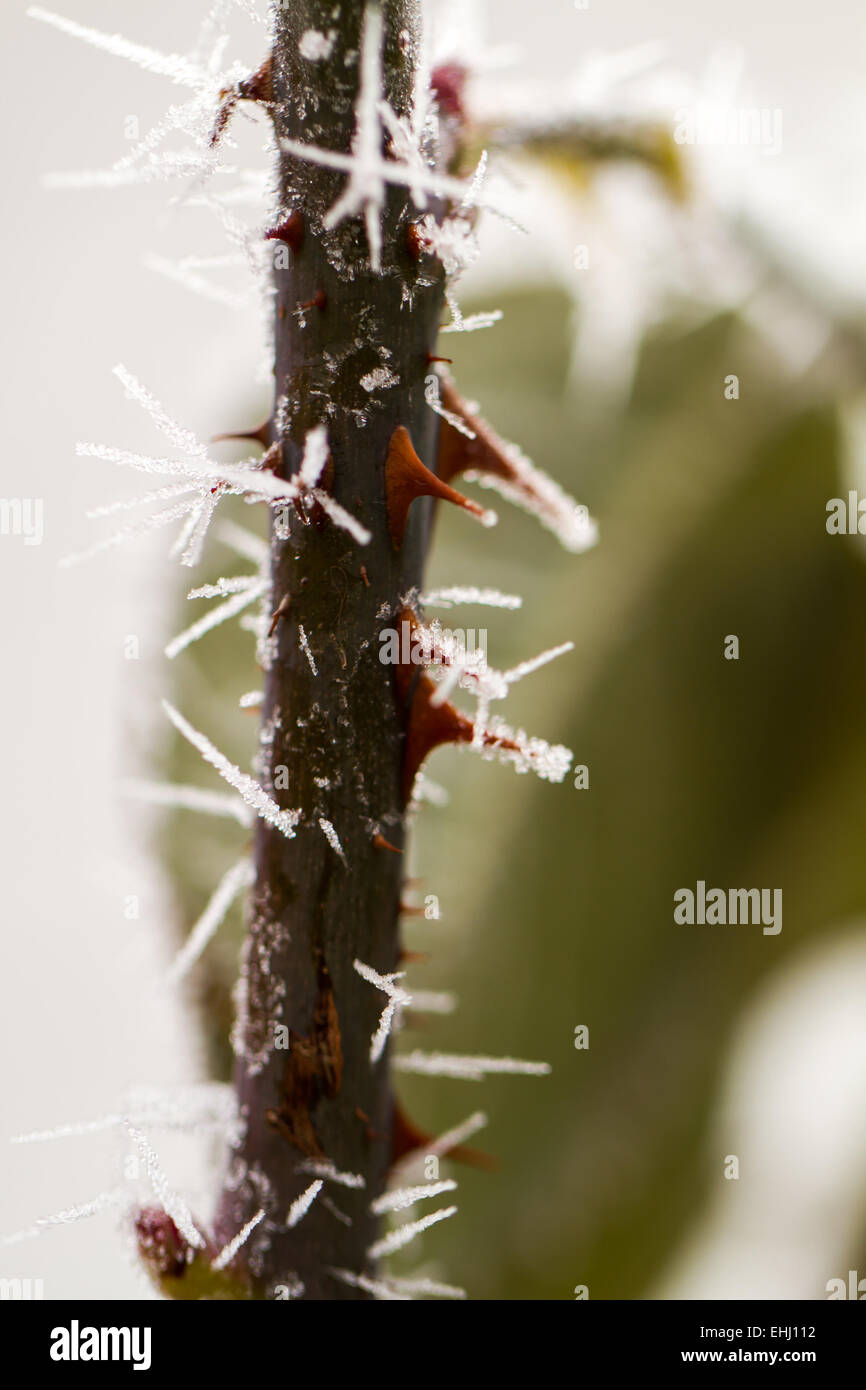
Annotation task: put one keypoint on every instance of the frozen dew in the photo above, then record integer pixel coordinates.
(526, 668)
(254, 796)
(433, 1001)
(473, 322)
(171, 65)
(305, 648)
(466, 1068)
(324, 1168)
(184, 272)
(315, 457)
(315, 46)
(251, 699)
(400, 1198)
(188, 798)
(431, 396)
(381, 1289)
(238, 877)
(467, 593)
(332, 837)
(103, 1202)
(403, 1235)
(228, 1252)
(379, 379)
(301, 1205)
(397, 999)
(170, 1201)
(365, 189)
(429, 1288)
(221, 614)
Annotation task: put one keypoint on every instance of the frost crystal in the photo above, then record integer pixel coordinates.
(491, 598)
(228, 1252)
(252, 589)
(379, 379)
(172, 1202)
(315, 46)
(402, 1197)
(466, 1068)
(238, 877)
(396, 1239)
(187, 798)
(252, 793)
(305, 648)
(331, 836)
(397, 999)
(301, 1205)
(324, 1168)
(66, 1218)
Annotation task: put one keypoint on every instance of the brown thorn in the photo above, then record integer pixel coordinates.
(486, 452)
(258, 87)
(431, 359)
(379, 842)
(417, 243)
(318, 301)
(278, 613)
(407, 478)
(290, 230)
(364, 576)
(258, 436)
(407, 1138)
(413, 958)
(430, 725)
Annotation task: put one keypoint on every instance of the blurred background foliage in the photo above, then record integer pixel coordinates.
(557, 903)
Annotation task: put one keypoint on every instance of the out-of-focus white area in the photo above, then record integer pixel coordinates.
(792, 1115)
(85, 1012)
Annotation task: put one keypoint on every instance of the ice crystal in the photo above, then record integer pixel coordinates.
(402, 1235)
(228, 1252)
(332, 837)
(98, 1204)
(263, 805)
(397, 999)
(301, 1205)
(188, 798)
(172, 1202)
(400, 1198)
(238, 877)
(466, 1068)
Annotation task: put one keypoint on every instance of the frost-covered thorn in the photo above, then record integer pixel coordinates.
(290, 230)
(258, 87)
(468, 445)
(379, 842)
(407, 478)
(431, 721)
